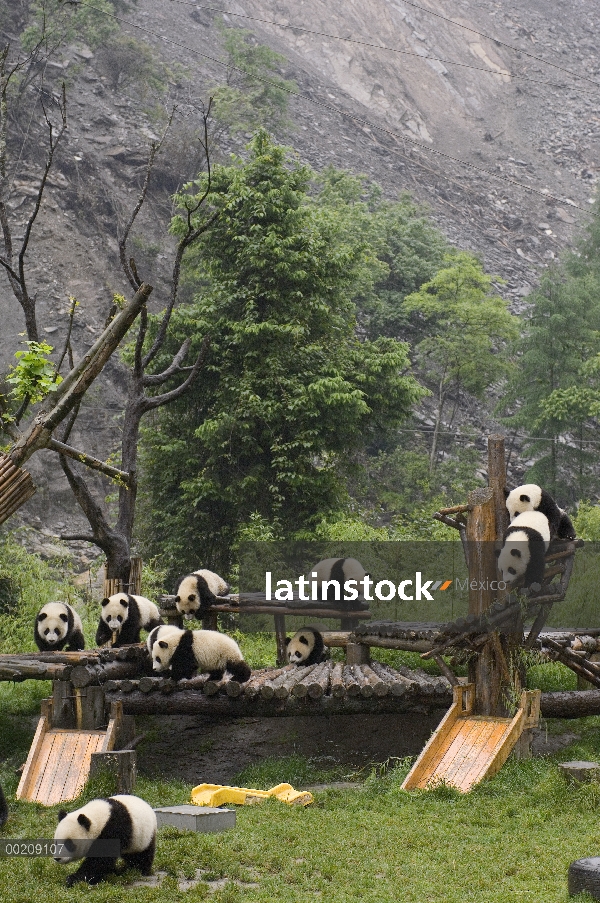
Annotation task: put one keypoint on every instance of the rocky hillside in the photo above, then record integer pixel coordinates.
(405, 96)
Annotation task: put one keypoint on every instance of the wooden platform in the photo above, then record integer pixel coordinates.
(58, 764)
(466, 748)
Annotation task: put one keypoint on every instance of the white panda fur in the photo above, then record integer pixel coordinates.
(531, 497)
(58, 625)
(340, 569)
(127, 615)
(197, 592)
(158, 632)
(188, 651)
(306, 647)
(525, 544)
(125, 818)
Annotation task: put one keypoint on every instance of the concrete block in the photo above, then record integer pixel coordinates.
(204, 819)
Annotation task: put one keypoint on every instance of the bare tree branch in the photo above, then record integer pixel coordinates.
(113, 472)
(157, 379)
(157, 401)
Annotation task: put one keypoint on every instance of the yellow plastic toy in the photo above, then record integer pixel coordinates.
(219, 795)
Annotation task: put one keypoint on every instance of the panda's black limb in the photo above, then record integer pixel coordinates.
(76, 642)
(142, 861)
(240, 671)
(183, 663)
(217, 674)
(93, 871)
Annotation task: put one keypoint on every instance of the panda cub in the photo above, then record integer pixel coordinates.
(525, 544)
(340, 570)
(127, 615)
(58, 625)
(128, 819)
(531, 497)
(306, 647)
(197, 592)
(188, 651)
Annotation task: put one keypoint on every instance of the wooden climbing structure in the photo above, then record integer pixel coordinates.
(466, 748)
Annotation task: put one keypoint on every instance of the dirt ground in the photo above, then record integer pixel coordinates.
(200, 749)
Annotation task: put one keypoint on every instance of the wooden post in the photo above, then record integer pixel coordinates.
(135, 576)
(118, 767)
(280, 640)
(486, 670)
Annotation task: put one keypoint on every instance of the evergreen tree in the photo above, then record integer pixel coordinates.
(288, 395)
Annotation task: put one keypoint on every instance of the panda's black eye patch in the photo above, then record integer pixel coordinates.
(162, 645)
(192, 597)
(178, 598)
(515, 553)
(119, 618)
(525, 498)
(46, 631)
(304, 640)
(511, 571)
(64, 618)
(69, 845)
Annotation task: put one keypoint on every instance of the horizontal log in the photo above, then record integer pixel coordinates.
(379, 642)
(194, 703)
(86, 675)
(570, 704)
(25, 670)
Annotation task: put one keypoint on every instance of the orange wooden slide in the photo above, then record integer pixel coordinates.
(466, 748)
(58, 764)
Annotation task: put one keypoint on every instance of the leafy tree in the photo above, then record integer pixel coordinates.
(552, 394)
(290, 395)
(466, 326)
(244, 102)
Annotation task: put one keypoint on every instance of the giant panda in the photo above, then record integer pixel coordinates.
(197, 592)
(188, 651)
(525, 544)
(3, 807)
(306, 647)
(340, 569)
(531, 497)
(127, 615)
(58, 625)
(128, 819)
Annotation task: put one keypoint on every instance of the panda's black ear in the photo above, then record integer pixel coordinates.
(497, 552)
(62, 814)
(524, 498)
(287, 640)
(163, 645)
(84, 821)
(42, 616)
(506, 492)
(64, 618)
(105, 602)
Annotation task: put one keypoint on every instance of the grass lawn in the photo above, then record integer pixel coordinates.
(512, 838)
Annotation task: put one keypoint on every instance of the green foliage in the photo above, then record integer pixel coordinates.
(128, 62)
(555, 394)
(587, 521)
(33, 375)
(55, 23)
(254, 94)
(288, 395)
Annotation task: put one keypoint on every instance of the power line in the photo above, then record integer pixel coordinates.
(363, 122)
(335, 37)
(482, 34)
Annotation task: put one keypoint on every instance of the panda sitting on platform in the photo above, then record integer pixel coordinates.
(127, 819)
(531, 497)
(306, 647)
(525, 545)
(58, 625)
(188, 651)
(197, 592)
(340, 570)
(126, 615)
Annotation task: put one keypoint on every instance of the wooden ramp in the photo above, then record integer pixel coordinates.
(466, 748)
(58, 764)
